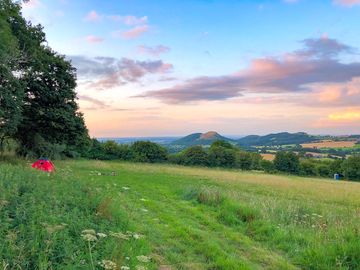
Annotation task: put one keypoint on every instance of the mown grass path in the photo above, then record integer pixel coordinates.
(179, 218)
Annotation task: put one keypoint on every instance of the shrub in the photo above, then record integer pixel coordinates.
(267, 166)
(287, 162)
(351, 168)
(193, 156)
(148, 152)
(243, 160)
(307, 168)
(221, 157)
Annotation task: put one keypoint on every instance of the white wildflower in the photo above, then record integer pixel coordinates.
(89, 237)
(127, 258)
(106, 264)
(143, 258)
(89, 231)
(124, 267)
(125, 188)
(119, 235)
(137, 236)
(101, 235)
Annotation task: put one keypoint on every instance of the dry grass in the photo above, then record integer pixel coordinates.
(268, 156)
(329, 144)
(310, 188)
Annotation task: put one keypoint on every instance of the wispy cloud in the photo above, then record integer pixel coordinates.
(93, 16)
(109, 72)
(316, 63)
(153, 51)
(94, 39)
(133, 33)
(347, 3)
(129, 19)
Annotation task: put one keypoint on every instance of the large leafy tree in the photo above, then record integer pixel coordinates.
(50, 122)
(11, 92)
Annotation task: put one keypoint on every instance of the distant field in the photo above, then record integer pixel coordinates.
(268, 156)
(329, 144)
(166, 217)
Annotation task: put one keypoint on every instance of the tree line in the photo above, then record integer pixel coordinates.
(225, 155)
(38, 104)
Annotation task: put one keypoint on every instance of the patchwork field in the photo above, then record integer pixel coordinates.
(330, 144)
(268, 156)
(111, 215)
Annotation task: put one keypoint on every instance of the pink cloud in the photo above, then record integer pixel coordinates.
(153, 51)
(347, 3)
(92, 16)
(130, 19)
(94, 39)
(134, 32)
(31, 4)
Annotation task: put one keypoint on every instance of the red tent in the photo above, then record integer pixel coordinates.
(44, 164)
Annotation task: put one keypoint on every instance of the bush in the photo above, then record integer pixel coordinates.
(287, 162)
(351, 168)
(243, 160)
(148, 152)
(267, 166)
(221, 157)
(193, 156)
(307, 168)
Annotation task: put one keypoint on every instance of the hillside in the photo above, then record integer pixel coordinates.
(200, 139)
(282, 138)
(166, 217)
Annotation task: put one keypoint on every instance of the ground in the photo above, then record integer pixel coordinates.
(147, 216)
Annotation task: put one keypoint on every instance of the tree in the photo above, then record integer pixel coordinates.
(287, 162)
(267, 166)
(220, 156)
(148, 152)
(11, 91)
(194, 156)
(243, 160)
(351, 168)
(307, 168)
(49, 107)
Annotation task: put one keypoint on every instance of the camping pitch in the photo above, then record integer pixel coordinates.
(44, 164)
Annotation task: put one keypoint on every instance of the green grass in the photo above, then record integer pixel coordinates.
(181, 218)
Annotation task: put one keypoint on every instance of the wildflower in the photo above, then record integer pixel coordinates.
(137, 236)
(124, 267)
(101, 235)
(106, 264)
(143, 200)
(143, 258)
(89, 231)
(125, 188)
(144, 210)
(119, 235)
(127, 258)
(89, 237)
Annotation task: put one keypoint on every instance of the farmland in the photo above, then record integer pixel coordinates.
(93, 215)
(330, 144)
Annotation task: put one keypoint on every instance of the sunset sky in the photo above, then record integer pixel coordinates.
(171, 67)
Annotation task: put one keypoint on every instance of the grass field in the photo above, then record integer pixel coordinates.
(171, 217)
(330, 144)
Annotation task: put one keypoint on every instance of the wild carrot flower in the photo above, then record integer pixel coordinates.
(143, 258)
(106, 264)
(101, 235)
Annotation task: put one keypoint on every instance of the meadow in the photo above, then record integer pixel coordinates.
(117, 215)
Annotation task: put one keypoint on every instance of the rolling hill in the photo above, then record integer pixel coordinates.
(201, 139)
(282, 138)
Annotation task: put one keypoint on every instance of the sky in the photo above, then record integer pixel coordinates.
(239, 67)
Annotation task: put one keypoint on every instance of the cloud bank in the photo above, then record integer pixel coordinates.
(109, 72)
(316, 63)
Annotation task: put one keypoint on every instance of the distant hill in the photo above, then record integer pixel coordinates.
(201, 139)
(282, 138)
